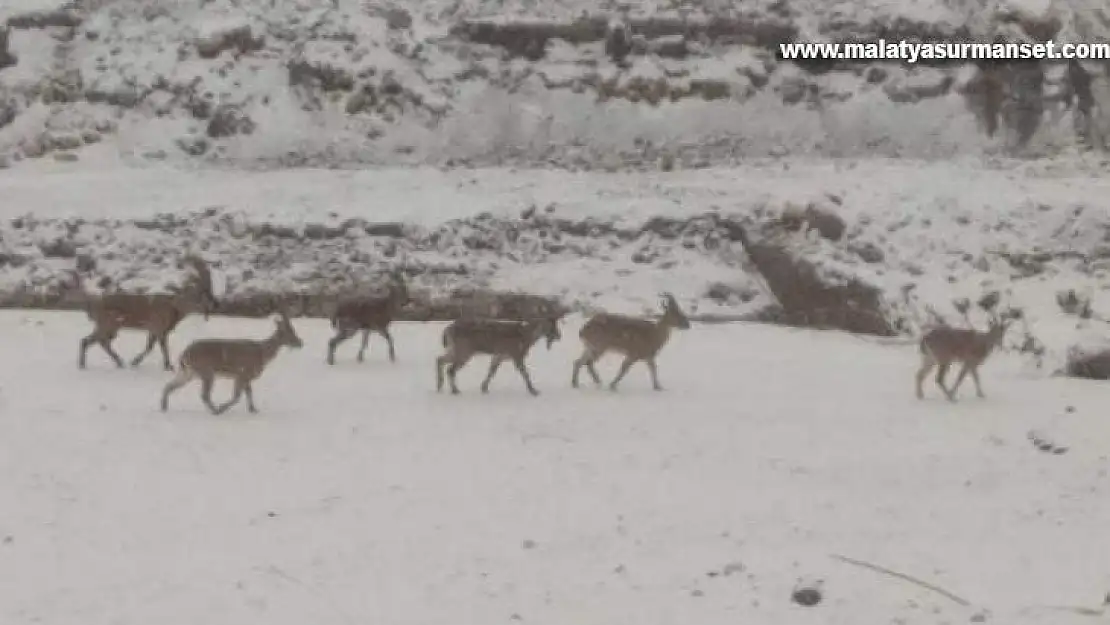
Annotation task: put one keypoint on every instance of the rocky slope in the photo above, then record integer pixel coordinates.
(568, 83)
(58, 262)
(871, 247)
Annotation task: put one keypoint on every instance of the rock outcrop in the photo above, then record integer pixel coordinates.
(1090, 366)
(810, 295)
(7, 59)
(454, 266)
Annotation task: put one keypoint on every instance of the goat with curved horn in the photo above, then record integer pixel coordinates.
(943, 346)
(369, 314)
(635, 338)
(241, 360)
(501, 339)
(156, 314)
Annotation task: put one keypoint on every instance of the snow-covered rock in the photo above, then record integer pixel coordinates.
(874, 245)
(563, 82)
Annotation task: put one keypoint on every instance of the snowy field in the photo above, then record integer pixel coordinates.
(103, 185)
(359, 495)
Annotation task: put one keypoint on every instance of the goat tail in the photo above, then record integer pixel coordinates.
(927, 352)
(183, 366)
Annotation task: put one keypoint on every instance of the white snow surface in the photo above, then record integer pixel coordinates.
(358, 494)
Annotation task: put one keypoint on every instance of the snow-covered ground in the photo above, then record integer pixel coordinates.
(359, 495)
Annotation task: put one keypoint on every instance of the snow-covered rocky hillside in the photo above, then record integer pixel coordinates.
(908, 235)
(573, 83)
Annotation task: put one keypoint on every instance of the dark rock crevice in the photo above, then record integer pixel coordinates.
(7, 59)
(1089, 366)
(808, 298)
(66, 16)
(529, 39)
